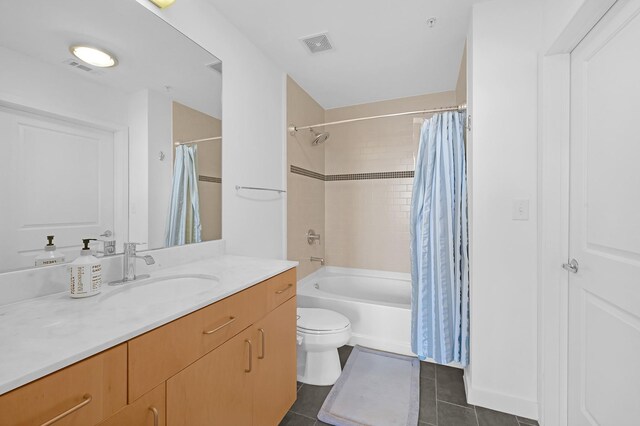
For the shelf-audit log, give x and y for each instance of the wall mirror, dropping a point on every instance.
(119, 144)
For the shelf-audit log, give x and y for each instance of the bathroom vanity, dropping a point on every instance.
(209, 342)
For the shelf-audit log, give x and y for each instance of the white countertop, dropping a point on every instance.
(42, 335)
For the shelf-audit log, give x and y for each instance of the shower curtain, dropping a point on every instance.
(439, 243)
(183, 223)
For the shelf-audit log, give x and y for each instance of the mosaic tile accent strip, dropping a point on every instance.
(352, 176)
(307, 173)
(203, 178)
(376, 175)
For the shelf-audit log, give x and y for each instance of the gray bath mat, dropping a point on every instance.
(375, 389)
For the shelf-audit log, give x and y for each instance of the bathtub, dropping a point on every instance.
(377, 303)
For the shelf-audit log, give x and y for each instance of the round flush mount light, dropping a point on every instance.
(94, 56)
(431, 22)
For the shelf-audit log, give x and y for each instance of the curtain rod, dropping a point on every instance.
(293, 129)
(217, 138)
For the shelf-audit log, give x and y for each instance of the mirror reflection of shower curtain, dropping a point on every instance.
(183, 223)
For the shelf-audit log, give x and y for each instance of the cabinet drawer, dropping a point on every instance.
(280, 289)
(89, 391)
(163, 352)
(149, 409)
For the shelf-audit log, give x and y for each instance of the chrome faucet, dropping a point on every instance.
(317, 259)
(129, 262)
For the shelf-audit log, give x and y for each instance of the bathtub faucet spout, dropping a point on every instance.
(317, 259)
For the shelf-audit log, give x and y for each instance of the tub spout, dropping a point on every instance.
(317, 259)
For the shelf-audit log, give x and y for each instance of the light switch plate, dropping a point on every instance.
(520, 210)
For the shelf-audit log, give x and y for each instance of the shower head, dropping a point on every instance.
(319, 138)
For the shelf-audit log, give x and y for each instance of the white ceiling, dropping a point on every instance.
(151, 53)
(383, 49)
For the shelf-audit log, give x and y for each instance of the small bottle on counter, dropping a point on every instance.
(50, 256)
(85, 273)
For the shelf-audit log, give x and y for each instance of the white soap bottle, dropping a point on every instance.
(85, 273)
(50, 256)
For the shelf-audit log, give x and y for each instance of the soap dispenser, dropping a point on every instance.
(50, 256)
(85, 273)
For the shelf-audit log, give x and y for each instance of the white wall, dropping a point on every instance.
(29, 82)
(150, 132)
(160, 172)
(253, 131)
(503, 73)
(557, 15)
(139, 168)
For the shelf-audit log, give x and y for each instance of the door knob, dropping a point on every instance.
(107, 233)
(572, 266)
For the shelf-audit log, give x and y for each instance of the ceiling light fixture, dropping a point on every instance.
(163, 3)
(94, 56)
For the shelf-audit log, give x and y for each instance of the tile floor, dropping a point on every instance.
(442, 401)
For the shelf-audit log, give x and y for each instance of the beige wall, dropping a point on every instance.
(305, 195)
(190, 124)
(367, 221)
(363, 223)
(461, 86)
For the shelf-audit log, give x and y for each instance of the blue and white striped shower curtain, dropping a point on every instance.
(439, 243)
(183, 222)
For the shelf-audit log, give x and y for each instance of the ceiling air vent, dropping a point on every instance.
(81, 66)
(317, 43)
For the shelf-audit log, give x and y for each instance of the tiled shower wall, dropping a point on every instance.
(343, 189)
(367, 221)
(305, 195)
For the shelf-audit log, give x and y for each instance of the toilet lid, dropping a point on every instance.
(314, 319)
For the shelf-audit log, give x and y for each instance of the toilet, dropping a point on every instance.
(320, 333)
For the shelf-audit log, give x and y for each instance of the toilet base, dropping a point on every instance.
(319, 368)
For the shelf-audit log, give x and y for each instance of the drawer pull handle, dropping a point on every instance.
(284, 289)
(231, 319)
(261, 355)
(248, 370)
(156, 415)
(86, 399)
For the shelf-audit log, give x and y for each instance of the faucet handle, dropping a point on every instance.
(133, 245)
(109, 247)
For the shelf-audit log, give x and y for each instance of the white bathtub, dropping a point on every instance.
(377, 303)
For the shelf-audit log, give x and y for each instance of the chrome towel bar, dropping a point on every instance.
(254, 188)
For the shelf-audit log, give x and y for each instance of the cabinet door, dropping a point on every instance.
(216, 389)
(148, 410)
(81, 394)
(275, 365)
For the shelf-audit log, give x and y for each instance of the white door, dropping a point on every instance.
(55, 178)
(604, 293)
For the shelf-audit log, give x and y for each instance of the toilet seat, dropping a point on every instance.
(321, 321)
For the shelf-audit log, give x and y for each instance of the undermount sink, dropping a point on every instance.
(163, 287)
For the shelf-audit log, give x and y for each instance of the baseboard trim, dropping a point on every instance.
(500, 402)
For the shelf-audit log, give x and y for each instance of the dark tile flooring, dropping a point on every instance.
(442, 401)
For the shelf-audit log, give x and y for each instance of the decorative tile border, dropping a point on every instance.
(307, 173)
(352, 176)
(203, 178)
(375, 175)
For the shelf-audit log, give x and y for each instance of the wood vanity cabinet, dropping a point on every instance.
(84, 393)
(216, 389)
(232, 363)
(150, 409)
(249, 380)
(274, 390)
